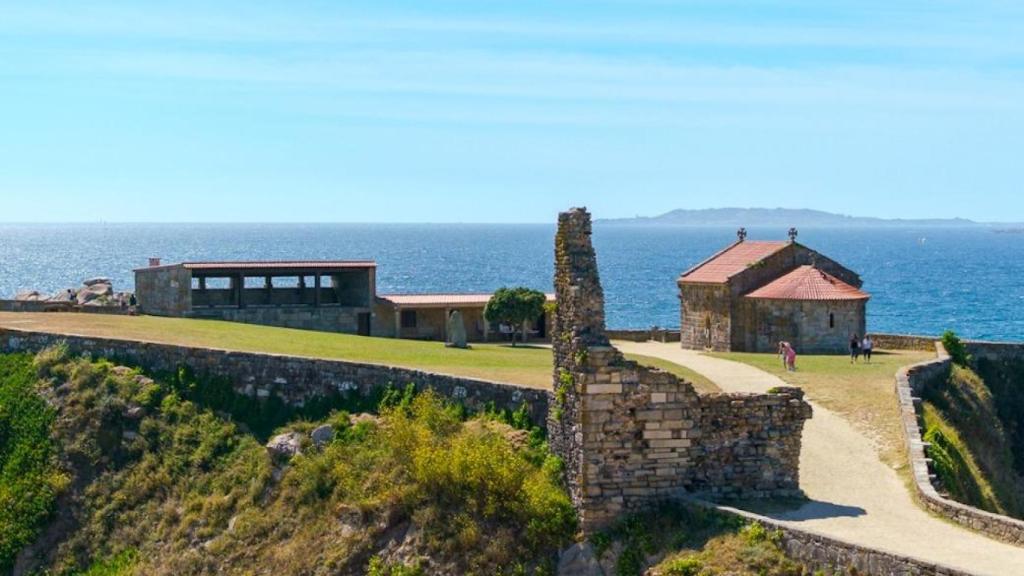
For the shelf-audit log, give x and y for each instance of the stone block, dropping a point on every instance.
(604, 389)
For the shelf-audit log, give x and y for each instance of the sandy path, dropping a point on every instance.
(854, 495)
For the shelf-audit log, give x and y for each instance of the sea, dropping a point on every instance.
(921, 280)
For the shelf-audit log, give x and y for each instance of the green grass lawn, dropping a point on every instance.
(863, 393)
(526, 365)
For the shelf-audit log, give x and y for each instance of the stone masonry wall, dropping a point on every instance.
(910, 382)
(705, 317)
(164, 290)
(322, 318)
(292, 379)
(803, 323)
(631, 435)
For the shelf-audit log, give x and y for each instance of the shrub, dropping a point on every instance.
(30, 479)
(955, 348)
(686, 566)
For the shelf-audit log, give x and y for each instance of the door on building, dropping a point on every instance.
(364, 324)
(707, 332)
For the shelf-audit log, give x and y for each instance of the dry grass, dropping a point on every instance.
(862, 393)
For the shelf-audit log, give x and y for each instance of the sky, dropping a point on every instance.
(483, 111)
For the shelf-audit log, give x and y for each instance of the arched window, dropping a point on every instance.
(831, 320)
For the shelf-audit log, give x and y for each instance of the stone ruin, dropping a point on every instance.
(630, 435)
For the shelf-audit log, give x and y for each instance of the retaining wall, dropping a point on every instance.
(656, 334)
(903, 342)
(293, 379)
(910, 382)
(832, 556)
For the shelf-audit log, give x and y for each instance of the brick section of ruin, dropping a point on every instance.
(631, 435)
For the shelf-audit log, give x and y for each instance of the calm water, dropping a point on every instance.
(922, 281)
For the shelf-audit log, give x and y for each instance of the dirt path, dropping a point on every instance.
(853, 495)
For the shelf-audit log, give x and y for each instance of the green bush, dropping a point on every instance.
(690, 565)
(955, 348)
(30, 479)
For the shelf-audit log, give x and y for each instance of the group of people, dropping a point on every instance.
(859, 347)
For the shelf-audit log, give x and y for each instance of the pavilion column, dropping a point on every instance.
(398, 321)
(487, 329)
(240, 290)
(444, 325)
(316, 290)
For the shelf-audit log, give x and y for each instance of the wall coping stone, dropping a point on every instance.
(909, 381)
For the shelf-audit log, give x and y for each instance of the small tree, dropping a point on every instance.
(955, 348)
(515, 307)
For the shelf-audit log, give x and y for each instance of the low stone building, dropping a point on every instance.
(752, 295)
(424, 317)
(334, 296)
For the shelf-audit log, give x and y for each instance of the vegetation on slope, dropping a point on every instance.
(30, 480)
(971, 448)
(163, 485)
(685, 540)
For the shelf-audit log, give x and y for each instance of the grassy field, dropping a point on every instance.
(861, 392)
(526, 365)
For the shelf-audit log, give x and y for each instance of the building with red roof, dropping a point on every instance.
(752, 295)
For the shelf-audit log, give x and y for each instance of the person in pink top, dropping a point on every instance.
(790, 358)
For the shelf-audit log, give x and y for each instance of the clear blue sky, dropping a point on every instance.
(484, 111)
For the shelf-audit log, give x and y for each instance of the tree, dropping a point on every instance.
(515, 307)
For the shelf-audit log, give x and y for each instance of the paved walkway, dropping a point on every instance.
(853, 495)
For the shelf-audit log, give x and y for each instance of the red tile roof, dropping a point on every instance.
(731, 261)
(808, 283)
(442, 299)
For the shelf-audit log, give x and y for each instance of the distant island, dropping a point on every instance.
(785, 217)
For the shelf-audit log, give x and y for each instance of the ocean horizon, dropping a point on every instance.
(922, 280)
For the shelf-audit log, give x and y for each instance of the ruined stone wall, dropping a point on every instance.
(631, 435)
(292, 379)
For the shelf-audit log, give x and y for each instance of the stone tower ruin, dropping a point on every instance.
(631, 435)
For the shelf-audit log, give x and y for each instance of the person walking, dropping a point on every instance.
(854, 348)
(866, 346)
(790, 355)
(782, 353)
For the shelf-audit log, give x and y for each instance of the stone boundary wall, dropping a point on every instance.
(293, 379)
(37, 306)
(910, 381)
(658, 335)
(903, 342)
(819, 552)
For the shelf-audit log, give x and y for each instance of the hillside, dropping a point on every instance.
(779, 217)
(973, 424)
(106, 471)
